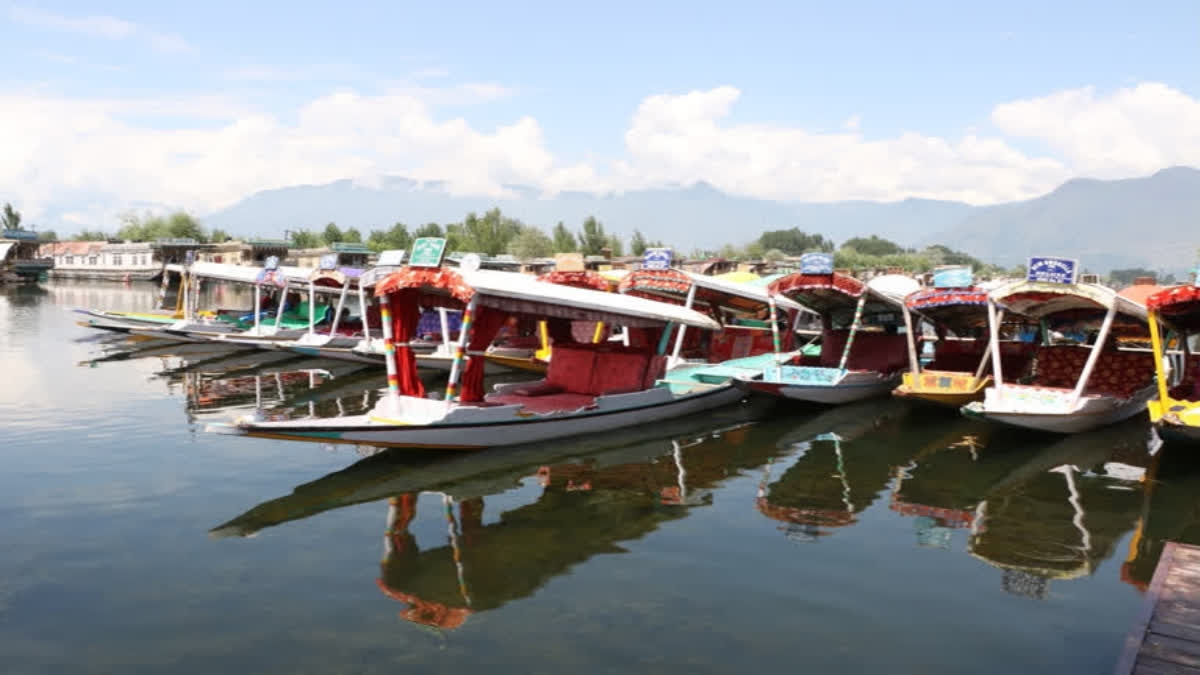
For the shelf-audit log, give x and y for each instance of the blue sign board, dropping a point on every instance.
(1053, 270)
(816, 263)
(657, 259)
(271, 263)
(953, 277)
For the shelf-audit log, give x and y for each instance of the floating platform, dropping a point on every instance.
(1166, 636)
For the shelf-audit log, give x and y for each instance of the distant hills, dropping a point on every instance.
(1149, 222)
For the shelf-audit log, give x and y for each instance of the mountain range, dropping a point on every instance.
(1136, 222)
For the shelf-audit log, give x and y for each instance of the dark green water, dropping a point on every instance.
(872, 537)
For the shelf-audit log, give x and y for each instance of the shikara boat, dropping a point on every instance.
(958, 372)
(751, 337)
(862, 353)
(588, 388)
(1075, 383)
(1175, 410)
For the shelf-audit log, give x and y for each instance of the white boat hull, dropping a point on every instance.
(1092, 412)
(854, 386)
(497, 432)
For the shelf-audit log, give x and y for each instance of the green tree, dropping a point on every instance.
(873, 246)
(774, 255)
(90, 235)
(592, 239)
(489, 234)
(218, 235)
(305, 239)
(331, 234)
(729, 252)
(148, 227)
(794, 241)
(531, 243)
(47, 235)
(395, 238)
(564, 241)
(637, 243)
(1127, 275)
(352, 236)
(11, 218)
(614, 244)
(429, 230)
(754, 250)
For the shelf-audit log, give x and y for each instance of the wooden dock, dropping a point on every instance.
(1166, 637)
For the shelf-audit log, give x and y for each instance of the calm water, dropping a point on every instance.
(875, 536)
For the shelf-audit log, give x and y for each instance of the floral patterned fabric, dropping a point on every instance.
(447, 280)
(583, 279)
(1116, 373)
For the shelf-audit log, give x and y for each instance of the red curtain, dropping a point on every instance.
(559, 330)
(405, 315)
(788, 335)
(484, 326)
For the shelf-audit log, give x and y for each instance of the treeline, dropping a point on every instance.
(493, 234)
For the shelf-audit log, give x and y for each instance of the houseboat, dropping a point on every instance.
(109, 261)
(1080, 377)
(956, 309)
(20, 259)
(863, 352)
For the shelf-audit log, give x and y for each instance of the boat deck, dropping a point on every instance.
(1166, 636)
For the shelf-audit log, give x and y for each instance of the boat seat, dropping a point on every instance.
(546, 403)
(1188, 388)
(1119, 373)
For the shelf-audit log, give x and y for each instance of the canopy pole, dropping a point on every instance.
(464, 333)
(337, 314)
(994, 344)
(282, 305)
(445, 322)
(599, 332)
(187, 295)
(389, 347)
(665, 339)
(362, 310)
(1094, 356)
(691, 297)
(914, 365)
(854, 326)
(1159, 354)
(983, 362)
(312, 307)
(775, 335)
(257, 307)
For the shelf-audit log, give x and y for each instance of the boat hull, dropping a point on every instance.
(475, 436)
(1093, 412)
(851, 387)
(945, 389)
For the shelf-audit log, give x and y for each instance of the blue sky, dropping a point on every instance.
(580, 72)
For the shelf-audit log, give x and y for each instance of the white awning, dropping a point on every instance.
(1042, 298)
(5, 247)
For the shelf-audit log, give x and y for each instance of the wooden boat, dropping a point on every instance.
(1175, 409)
(862, 351)
(1071, 387)
(958, 372)
(588, 388)
(749, 340)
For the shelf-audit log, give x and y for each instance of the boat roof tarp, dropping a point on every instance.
(823, 293)
(1039, 299)
(521, 293)
(673, 285)
(1178, 306)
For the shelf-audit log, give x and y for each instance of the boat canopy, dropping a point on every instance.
(824, 293)
(673, 286)
(1040, 299)
(577, 279)
(241, 274)
(1177, 306)
(523, 294)
(335, 277)
(960, 310)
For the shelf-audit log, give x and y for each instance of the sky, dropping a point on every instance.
(130, 105)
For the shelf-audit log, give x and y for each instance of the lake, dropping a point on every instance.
(872, 537)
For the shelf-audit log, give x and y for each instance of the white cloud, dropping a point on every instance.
(94, 157)
(1135, 130)
(108, 27)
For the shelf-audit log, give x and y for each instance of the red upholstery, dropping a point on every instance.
(1188, 388)
(544, 404)
(961, 356)
(1116, 373)
(571, 367)
(736, 342)
(832, 344)
(654, 370)
(615, 372)
(878, 352)
(541, 388)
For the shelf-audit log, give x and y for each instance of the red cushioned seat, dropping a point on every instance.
(618, 371)
(655, 369)
(571, 368)
(878, 352)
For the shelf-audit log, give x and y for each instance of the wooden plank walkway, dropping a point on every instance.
(1166, 637)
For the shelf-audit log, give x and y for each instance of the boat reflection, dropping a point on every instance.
(1038, 509)
(1170, 511)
